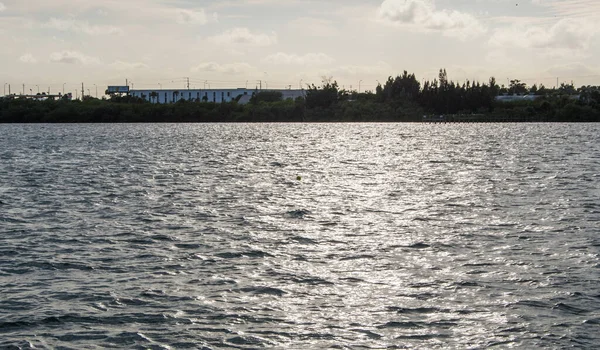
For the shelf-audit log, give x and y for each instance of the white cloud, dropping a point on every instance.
(423, 15)
(309, 58)
(186, 16)
(126, 66)
(65, 25)
(229, 68)
(243, 36)
(27, 58)
(566, 37)
(73, 57)
(2, 7)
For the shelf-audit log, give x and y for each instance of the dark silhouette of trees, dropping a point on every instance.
(154, 96)
(403, 87)
(401, 98)
(266, 96)
(323, 96)
(517, 87)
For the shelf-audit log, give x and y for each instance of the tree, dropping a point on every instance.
(266, 96)
(533, 90)
(494, 88)
(324, 96)
(516, 87)
(403, 87)
(567, 89)
(443, 77)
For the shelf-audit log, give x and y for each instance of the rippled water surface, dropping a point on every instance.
(394, 236)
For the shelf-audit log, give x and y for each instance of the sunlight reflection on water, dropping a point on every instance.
(407, 235)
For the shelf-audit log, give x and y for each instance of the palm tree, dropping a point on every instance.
(175, 93)
(153, 95)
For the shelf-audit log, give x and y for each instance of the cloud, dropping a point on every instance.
(186, 16)
(73, 57)
(314, 27)
(567, 35)
(230, 68)
(125, 66)
(65, 25)
(27, 58)
(309, 58)
(2, 7)
(423, 15)
(243, 36)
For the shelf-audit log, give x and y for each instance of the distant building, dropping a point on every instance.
(117, 90)
(511, 98)
(206, 95)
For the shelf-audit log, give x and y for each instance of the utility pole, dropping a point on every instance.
(23, 89)
(82, 92)
(188, 83)
(9, 89)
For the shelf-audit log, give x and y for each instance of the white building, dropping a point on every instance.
(512, 98)
(207, 95)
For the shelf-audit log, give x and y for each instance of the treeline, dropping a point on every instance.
(400, 99)
(133, 110)
(403, 98)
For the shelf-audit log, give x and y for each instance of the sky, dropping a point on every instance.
(291, 43)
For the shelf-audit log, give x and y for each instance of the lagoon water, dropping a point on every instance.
(166, 236)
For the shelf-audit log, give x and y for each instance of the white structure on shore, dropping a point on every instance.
(207, 95)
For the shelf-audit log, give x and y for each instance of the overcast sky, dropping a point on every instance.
(283, 42)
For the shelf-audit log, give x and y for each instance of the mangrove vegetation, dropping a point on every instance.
(400, 99)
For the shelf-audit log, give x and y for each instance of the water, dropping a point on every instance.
(396, 236)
